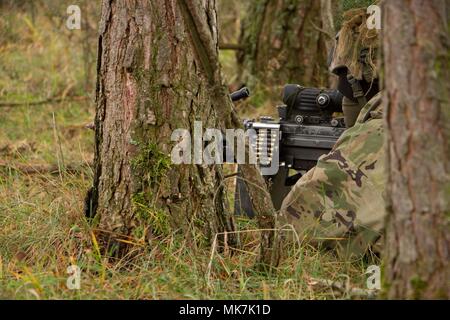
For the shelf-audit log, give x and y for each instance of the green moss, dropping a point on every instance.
(385, 284)
(151, 162)
(149, 215)
(419, 285)
(151, 165)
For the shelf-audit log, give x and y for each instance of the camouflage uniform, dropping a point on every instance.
(339, 203)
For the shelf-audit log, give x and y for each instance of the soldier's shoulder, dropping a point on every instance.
(372, 110)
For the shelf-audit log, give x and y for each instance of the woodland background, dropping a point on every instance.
(47, 87)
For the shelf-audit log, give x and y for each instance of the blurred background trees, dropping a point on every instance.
(276, 42)
(283, 42)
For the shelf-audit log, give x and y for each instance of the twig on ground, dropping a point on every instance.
(231, 46)
(43, 168)
(90, 126)
(41, 102)
(60, 155)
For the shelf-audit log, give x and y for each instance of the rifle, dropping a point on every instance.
(306, 130)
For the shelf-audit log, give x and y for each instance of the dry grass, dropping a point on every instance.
(42, 225)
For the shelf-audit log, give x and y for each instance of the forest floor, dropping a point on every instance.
(45, 170)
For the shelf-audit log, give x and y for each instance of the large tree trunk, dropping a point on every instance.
(417, 56)
(154, 76)
(158, 71)
(284, 43)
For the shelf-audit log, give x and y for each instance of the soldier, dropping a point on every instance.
(339, 203)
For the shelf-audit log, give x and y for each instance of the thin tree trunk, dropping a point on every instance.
(328, 12)
(416, 57)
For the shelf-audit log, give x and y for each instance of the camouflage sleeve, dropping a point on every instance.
(340, 202)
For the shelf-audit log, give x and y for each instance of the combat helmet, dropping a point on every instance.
(354, 60)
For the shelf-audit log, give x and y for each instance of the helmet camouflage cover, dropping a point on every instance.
(356, 46)
(339, 203)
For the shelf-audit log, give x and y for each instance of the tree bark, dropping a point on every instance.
(155, 77)
(416, 58)
(158, 70)
(284, 43)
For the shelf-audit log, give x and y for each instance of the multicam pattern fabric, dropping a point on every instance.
(339, 202)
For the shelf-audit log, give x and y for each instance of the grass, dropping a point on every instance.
(42, 225)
